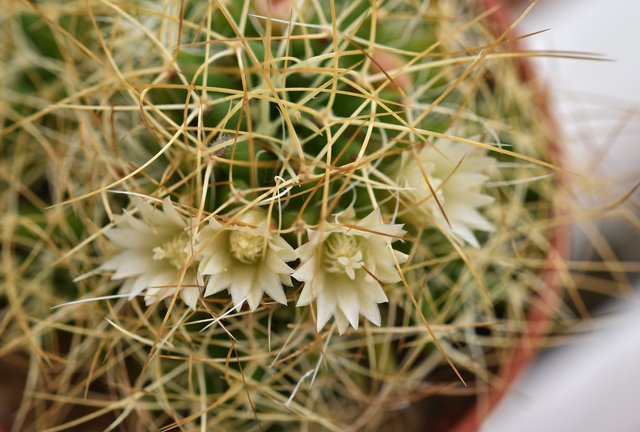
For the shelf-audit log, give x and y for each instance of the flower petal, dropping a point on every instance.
(326, 307)
(241, 282)
(465, 234)
(140, 284)
(276, 264)
(254, 296)
(270, 284)
(348, 302)
(341, 321)
(190, 296)
(130, 238)
(217, 283)
(216, 264)
(306, 271)
(285, 280)
(372, 219)
(370, 311)
(171, 212)
(284, 251)
(307, 294)
(135, 266)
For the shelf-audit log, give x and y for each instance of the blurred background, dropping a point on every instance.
(590, 383)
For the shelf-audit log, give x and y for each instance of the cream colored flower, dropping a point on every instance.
(245, 259)
(153, 254)
(456, 174)
(344, 267)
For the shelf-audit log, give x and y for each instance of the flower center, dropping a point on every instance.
(172, 251)
(245, 247)
(342, 254)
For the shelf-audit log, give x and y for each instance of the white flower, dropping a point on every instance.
(455, 173)
(245, 259)
(343, 268)
(153, 254)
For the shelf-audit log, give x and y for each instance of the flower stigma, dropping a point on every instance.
(172, 251)
(342, 254)
(245, 247)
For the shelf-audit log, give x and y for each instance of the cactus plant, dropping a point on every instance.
(269, 215)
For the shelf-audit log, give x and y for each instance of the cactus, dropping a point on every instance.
(294, 215)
